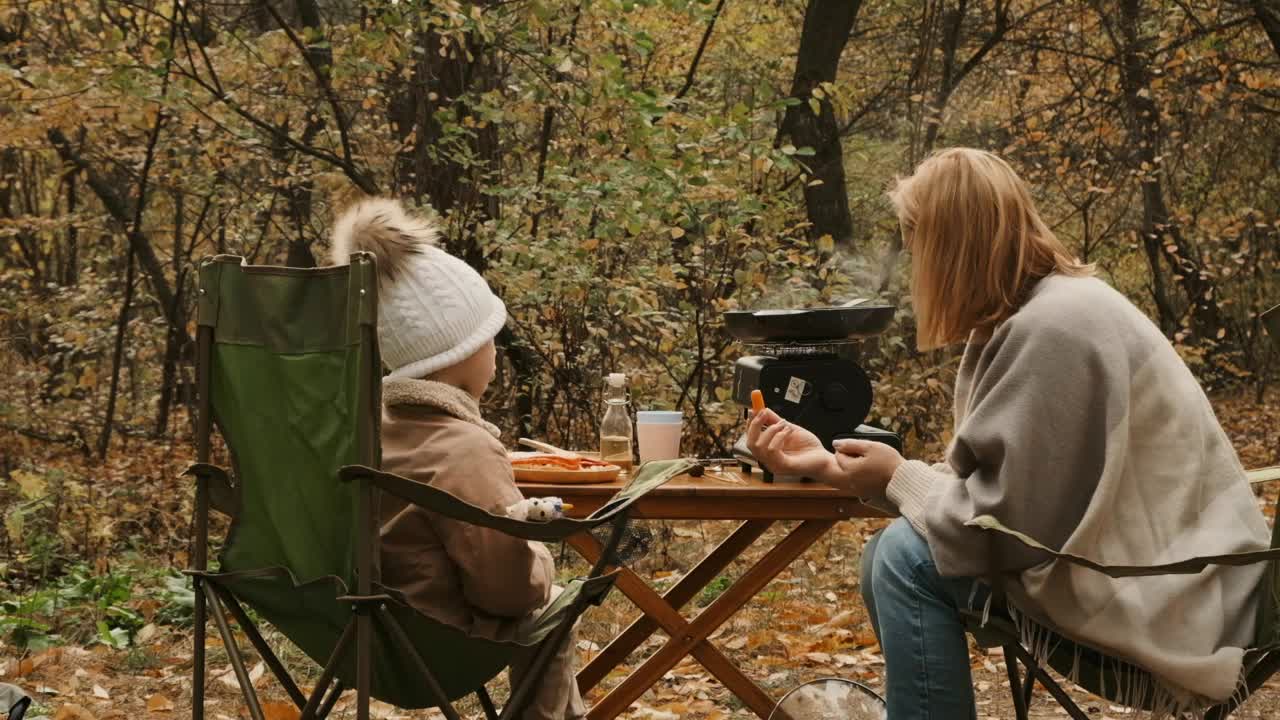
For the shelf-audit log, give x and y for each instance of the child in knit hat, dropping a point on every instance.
(436, 322)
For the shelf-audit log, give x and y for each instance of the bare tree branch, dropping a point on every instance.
(702, 46)
(313, 57)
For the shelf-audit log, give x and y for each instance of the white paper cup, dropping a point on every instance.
(658, 434)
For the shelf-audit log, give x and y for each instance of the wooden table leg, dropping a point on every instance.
(694, 634)
(685, 590)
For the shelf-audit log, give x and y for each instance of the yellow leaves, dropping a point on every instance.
(31, 484)
(677, 233)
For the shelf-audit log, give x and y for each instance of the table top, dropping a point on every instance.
(707, 498)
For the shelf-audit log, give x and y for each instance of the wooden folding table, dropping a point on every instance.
(759, 505)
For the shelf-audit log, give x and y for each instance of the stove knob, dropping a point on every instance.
(835, 396)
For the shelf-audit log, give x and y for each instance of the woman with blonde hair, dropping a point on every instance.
(1077, 423)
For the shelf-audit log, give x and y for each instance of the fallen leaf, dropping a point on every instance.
(652, 714)
(280, 711)
(159, 703)
(819, 657)
(101, 692)
(28, 666)
(842, 619)
(257, 673)
(71, 711)
(228, 677)
(147, 632)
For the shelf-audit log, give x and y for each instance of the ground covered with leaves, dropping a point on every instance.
(107, 634)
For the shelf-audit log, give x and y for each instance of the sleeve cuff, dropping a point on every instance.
(909, 489)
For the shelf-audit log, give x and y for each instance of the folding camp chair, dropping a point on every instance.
(288, 370)
(1107, 676)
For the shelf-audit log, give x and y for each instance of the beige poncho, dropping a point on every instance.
(1078, 424)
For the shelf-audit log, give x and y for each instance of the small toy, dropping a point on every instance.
(757, 401)
(542, 509)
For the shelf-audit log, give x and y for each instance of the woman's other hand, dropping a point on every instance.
(866, 466)
(788, 449)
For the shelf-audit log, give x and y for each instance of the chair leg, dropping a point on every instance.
(311, 711)
(486, 702)
(1029, 685)
(329, 701)
(406, 646)
(233, 653)
(197, 680)
(364, 663)
(1015, 686)
(1047, 681)
(260, 644)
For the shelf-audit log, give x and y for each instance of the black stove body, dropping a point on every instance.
(806, 369)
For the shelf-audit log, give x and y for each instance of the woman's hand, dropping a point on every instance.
(866, 466)
(788, 449)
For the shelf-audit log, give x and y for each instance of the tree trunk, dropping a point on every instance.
(173, 340)
(451, 173)
(1269, 19)
(827, 24)
(1161, 234)
(117, 356)
(951, 77)
(71, 268)
(429, 161)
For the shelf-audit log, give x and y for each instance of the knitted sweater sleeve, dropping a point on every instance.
(1029, 450)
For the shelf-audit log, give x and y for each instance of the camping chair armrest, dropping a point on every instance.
(1263, 475)
(1189, 566)
(650, 475)
(450, 506)
(222, 494)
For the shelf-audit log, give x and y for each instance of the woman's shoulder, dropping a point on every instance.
(1080, 310)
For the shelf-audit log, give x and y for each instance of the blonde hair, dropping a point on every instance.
(978, 244)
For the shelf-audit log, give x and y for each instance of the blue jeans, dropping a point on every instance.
(915, 614)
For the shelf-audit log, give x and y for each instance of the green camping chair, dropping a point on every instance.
(1104, 675)
(288, 370)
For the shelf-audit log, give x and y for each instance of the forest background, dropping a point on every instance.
(621, 171)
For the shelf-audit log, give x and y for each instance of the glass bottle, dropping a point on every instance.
(616, 433)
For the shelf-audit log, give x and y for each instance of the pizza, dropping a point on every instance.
(558, 462)
(558, 468)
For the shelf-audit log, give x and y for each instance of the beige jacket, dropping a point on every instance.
(1078, 424)
(476, 579)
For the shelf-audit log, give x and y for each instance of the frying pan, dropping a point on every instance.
(810, 324)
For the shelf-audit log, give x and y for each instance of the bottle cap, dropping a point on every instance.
(616, 379)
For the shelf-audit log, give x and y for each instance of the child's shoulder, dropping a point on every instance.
(430, 433)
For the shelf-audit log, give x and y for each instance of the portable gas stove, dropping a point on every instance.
(805, 364)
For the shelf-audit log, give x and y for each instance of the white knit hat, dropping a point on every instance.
(434, 310)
